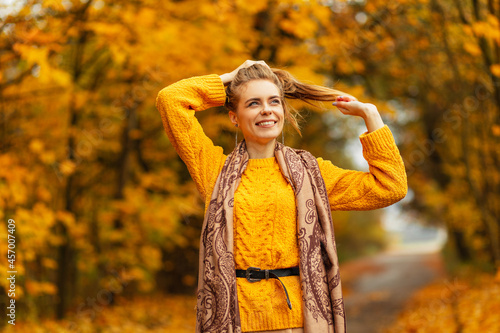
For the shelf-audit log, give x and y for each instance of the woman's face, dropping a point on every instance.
(260, 113)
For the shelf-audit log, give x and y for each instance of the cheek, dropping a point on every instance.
(283, 113)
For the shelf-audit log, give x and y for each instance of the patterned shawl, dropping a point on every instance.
(217, 300)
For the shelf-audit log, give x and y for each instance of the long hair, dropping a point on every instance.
(288, 86)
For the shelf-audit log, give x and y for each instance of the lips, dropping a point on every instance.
(266, 123)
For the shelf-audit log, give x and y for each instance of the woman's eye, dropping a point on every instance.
(276, 101)
(252, 103)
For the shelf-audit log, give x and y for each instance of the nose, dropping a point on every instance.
(266, 109)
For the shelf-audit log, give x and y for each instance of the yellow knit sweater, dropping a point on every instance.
(265, 233)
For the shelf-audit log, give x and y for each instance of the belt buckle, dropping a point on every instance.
(247, 274)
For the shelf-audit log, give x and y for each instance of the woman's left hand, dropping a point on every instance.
(350, 106)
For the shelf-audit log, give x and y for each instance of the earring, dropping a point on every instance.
(236, 137)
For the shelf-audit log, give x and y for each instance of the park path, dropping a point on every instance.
(378, 287)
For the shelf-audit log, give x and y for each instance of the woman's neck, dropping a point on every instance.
(261, 151)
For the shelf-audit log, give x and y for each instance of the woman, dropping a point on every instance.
(268, 260)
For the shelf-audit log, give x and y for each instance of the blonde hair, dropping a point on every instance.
(288, 86)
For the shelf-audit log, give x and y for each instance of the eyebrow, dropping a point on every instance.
(258, 99)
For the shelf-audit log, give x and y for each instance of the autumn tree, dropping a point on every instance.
(437, 63)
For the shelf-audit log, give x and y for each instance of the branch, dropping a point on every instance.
(461, 13)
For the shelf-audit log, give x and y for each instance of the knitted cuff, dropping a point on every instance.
(215, 92)
(378, 140)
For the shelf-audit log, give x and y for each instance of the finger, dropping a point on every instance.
(246, 64)
(341, 104)
(249, 63)
(262, 62)
(345, 98)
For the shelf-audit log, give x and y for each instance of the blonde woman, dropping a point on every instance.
(268, 260)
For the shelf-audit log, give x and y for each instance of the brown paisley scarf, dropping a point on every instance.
(217, 304)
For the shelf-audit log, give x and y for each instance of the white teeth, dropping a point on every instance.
(265, 123)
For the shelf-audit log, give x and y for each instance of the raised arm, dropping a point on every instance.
(385, 183)
(177, 104)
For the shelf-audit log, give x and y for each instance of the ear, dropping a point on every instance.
(233, 117)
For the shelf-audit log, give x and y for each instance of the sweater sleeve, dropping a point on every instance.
(177, 104)
(383, 185)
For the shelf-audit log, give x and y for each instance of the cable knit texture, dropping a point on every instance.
(265, 237)
(265, 232)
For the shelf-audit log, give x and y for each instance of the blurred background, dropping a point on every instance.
(107, 219)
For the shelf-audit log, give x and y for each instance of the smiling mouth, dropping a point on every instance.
(267, 123)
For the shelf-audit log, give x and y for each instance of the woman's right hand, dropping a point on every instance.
(228, 77)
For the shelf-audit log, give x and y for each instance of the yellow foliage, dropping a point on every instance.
(36, 146)
(20, 292)
(49, 263)
(493, 21)
(152, 314)
(448, 306)
(496, 130)
(151, 257)
(33, 226)
(296, 25)
(48, 157)
(53, 4)
(32, 55)
(495, 69)
(118, 55)
(35, 288)
(473, 49)
(43, 194)
(252, 7)
(488, 29)
(18, 192)
(66, 217)
(67, 167)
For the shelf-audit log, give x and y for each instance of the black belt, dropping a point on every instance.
(254, 274)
